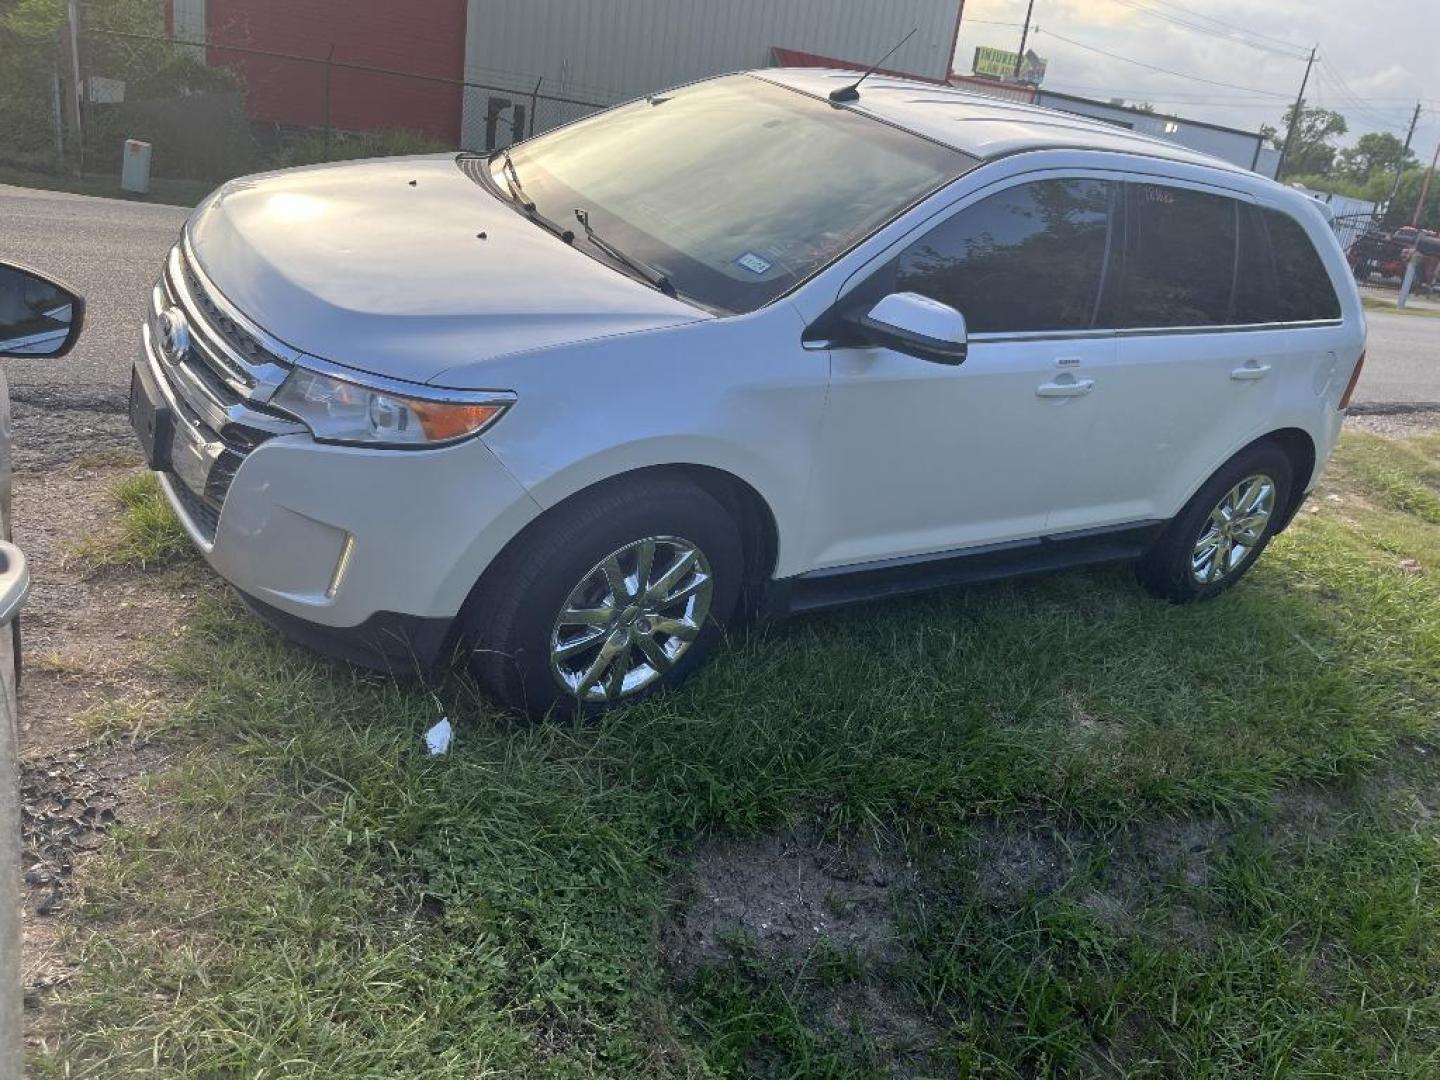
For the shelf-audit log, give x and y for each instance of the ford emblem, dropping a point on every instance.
(174, 335)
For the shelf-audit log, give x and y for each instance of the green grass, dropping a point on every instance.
(1404, 477)
(167, 192)
(149, 535)
(1421, 308)
(1235, 797)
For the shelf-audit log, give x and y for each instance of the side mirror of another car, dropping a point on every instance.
(910, 323)
(38, 317)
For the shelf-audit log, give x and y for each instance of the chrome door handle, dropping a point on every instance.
(1250, 372)
(1065, 389)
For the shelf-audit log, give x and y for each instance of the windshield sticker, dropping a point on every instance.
(752, 262)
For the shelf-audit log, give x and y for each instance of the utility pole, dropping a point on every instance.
(1415, 224)
(1295, 117)
(73, 85)
(1400, 165)
(325, 105)
(1024, 34)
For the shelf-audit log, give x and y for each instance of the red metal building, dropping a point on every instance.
(414, 41)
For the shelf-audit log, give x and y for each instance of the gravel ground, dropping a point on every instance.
(1395, 421)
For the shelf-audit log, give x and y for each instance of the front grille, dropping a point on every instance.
(222, 326)
(214, 385)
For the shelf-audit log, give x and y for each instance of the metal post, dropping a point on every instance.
(328, 58)
(1409, 280)
(1294, 118)
(57, 118)
(534, 97)
(11, 1018)
(1024, 34)
(70, 49)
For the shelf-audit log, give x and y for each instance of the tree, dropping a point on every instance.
(1311, 151)
(30, 56)
(1378, 151)
(1403, 208)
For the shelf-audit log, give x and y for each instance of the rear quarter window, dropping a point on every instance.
(1303, 291)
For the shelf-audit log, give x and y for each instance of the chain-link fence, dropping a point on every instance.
(212, 110)
(1378, 253)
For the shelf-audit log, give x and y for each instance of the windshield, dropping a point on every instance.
(734, 189)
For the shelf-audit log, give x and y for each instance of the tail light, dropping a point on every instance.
(1350, 386)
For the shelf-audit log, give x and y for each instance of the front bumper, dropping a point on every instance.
(363, 554)
(387, 641)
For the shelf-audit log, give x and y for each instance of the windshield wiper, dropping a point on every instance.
(527, 204)
(654, 275)
(512, 182)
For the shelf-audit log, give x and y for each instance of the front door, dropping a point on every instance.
(920, 458)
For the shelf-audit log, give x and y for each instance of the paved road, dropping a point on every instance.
(1402, 359)
(112, 250)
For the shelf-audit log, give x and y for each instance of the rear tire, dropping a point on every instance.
(650, 540)
(1216, 538)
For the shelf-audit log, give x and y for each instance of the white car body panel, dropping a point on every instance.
(860, 454)
(739, 395)
(352, 264)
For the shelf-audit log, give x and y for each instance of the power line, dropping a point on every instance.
(1331, 75)
(1232, 36)
(1189, 12)
(1165, 71)
(1348, 103)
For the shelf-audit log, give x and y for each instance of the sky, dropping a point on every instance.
(1376, 57)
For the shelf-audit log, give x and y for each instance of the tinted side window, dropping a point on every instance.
(1256, 300)
(1303, 285)
(1027, 258)
(1178, 266)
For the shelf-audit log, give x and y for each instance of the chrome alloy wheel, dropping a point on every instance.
(1233, 529)
(631, 618)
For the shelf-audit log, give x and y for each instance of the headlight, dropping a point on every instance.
(347, 412)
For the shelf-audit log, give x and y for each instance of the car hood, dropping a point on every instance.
(407, 268)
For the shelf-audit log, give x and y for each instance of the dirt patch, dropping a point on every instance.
(83, 627)
(69, 801)
(783, 895)
(1014, 862)
(91, 639)
(51, 421)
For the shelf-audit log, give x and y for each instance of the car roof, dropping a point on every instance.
(983, 126)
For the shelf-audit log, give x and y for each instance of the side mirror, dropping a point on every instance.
(37, 316)
(910, 323)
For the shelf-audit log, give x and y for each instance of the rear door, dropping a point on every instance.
(1200, 356)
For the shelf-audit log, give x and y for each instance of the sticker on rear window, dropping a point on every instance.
(752, 262)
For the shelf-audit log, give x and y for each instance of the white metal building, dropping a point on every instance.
(1244, 148)
(1248, 149)
(605, 51)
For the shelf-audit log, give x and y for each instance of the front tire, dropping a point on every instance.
(613, 597)
(1222, 530)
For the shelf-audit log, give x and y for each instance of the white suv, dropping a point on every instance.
(738, 347)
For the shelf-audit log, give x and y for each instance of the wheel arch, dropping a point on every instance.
(759, 531)
(1297, 444)
(1299, 447)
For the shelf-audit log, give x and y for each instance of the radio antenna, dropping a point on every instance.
(852, 91)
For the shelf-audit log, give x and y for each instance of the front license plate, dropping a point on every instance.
(152, 422)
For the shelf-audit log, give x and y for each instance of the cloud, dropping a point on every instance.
(1373, 78)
